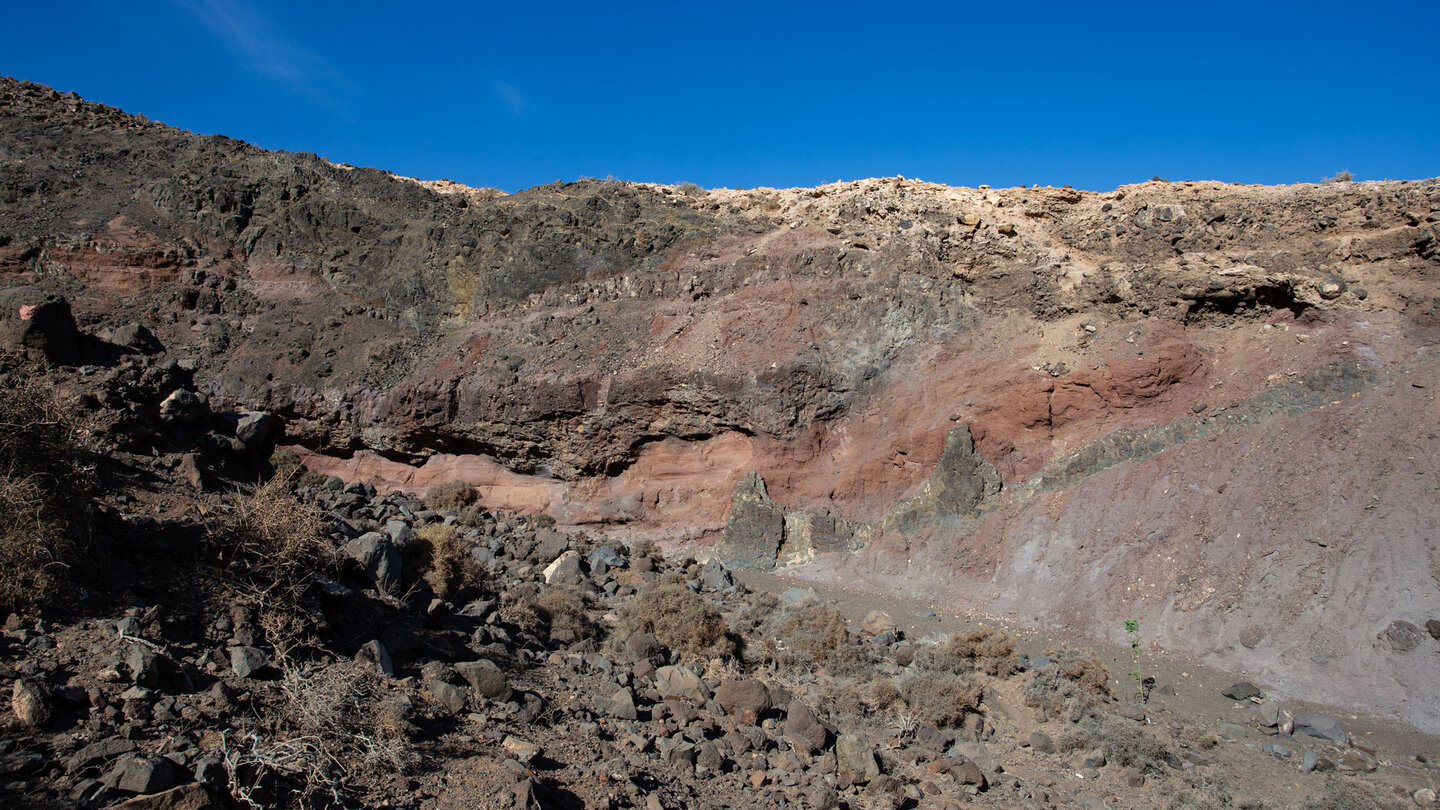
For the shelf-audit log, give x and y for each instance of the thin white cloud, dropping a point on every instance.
(510, 94)
(267, 51)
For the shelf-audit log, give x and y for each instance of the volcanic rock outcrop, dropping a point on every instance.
(1204, 405)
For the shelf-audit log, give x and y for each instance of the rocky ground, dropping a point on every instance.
(241, 631)
(295, 453)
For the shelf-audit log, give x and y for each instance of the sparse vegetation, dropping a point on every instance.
(942, 700)
(443, 557)
(1070, 687)
(681, 620)
(331, 724)
(44, 495)
(451, 496)
(991, 651)
(1122, 742)
(278, 543)
(1342, 176)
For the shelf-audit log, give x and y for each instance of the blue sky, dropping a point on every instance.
(771, 94)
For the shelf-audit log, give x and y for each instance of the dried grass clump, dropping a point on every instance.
(1340, 793)
(566, 614)
(327, 726)
(1122, 742)
(682, 620)
(1071, 687)
(273, 541)
(814, 636)
(853, 696)
(560, 614)
(445, 560)
(44, 495)
(990, 651)
(451, 496)
(941, 700)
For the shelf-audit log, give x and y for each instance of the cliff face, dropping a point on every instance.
(1207, 406)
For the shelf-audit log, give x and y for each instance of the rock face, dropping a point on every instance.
(1014, 398)
(756, 526)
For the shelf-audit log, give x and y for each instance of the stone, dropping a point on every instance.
(708, 756)
(98, 751)
(1134, 777)
(549, 545)
(681, 682)
(1356, 760)
(246, 661)
(967, 773)
(1041, 743)
(855, 759)
(256, 429)
(485, 677)
(446, 694)
(1424, 797)
(1251, 637)
(1308, 762)
(746, 699)
(1432, 626)
(714, 576)
(878, 622)
(925, 613)
(30, 702)
(797, 598)
(45, 332)
(621, 704)
(376, 554)
(645, 647)
(522, 750)
(603, 558)
(1094, 759)
(184, 797)
(903, 653)
(1244, 690)
(374, 653)
(976, 753)
(136, 337)
(1319, 725)
(821, 797)
(803, 729)
(1402, 636)
(755, 528)
(144, 665)
(184, 407)
(1267, 715)
(142, 774)
(565, 570)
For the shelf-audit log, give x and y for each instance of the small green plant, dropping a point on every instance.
(1132, 629)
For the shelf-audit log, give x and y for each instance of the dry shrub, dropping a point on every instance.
(1340, 793)
(557, 613)
(853, 696)
(566, 614)
(445, 560)
(645, 548)
(1071, 687)
(942, 699)
(682, 620)
(1122, 741)
(272, 540)
(813, 636)
(326, 726)
(451, 496)
(990, 651)
(44, 495)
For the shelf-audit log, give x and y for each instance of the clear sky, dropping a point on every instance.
(744, 94)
